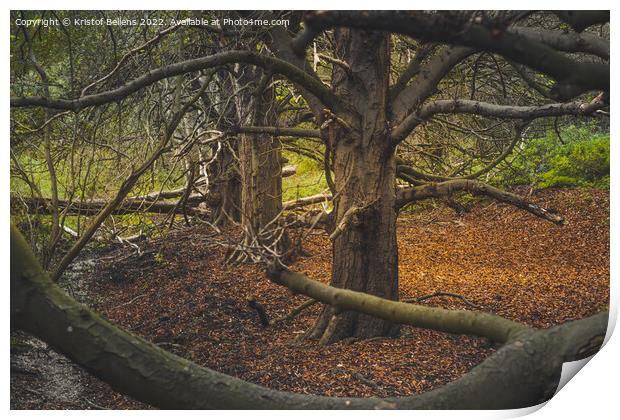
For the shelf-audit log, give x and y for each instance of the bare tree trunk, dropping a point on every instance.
(224, 195)
(261, 180)
(222, 169)
(259, 155)
(365, 255)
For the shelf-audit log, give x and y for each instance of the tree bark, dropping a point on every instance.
(365, 254)
(224, 194)
(259, 154)
(222, 169)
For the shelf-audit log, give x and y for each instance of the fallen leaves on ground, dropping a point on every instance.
(182, 297)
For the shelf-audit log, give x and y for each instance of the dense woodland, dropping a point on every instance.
(326, 210)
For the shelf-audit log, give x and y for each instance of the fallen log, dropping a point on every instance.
(93, 206)
(523, 373)
(446, 189)
(289, 170)
(306, 201)
(482, 324)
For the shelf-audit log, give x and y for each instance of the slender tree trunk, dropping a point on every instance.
(260, 156)
(261, 180)
(224, 195)
(365, 254)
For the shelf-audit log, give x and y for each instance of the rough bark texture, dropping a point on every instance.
(224, 195)
(364, 242)
(523, 373)
(260, 155)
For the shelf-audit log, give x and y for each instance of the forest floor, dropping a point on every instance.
(180, 295)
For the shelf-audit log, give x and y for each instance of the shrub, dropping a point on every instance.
(581, 161)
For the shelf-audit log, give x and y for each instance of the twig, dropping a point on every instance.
(343, 64)
(130, 302)
(347, 219)
(440, 293)
(365, 380)
(260, 310)
(97, 406)
(295, 311)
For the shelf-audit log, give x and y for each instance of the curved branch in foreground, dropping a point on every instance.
(523, 373)
(494, 327)
(290, 71)
(474, 187)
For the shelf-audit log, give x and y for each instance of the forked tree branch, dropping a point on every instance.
(474, 187)
(425, 83)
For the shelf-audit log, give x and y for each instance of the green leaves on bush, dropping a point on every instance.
(582, 160)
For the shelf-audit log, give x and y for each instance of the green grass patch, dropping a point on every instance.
(308, 180)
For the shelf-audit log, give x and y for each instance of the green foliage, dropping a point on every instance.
(309, 178)
(581, 160)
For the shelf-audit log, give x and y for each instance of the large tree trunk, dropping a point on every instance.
(261, 180)
(365, 255)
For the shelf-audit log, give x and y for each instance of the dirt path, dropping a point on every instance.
(179, 296)
(42, 378)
